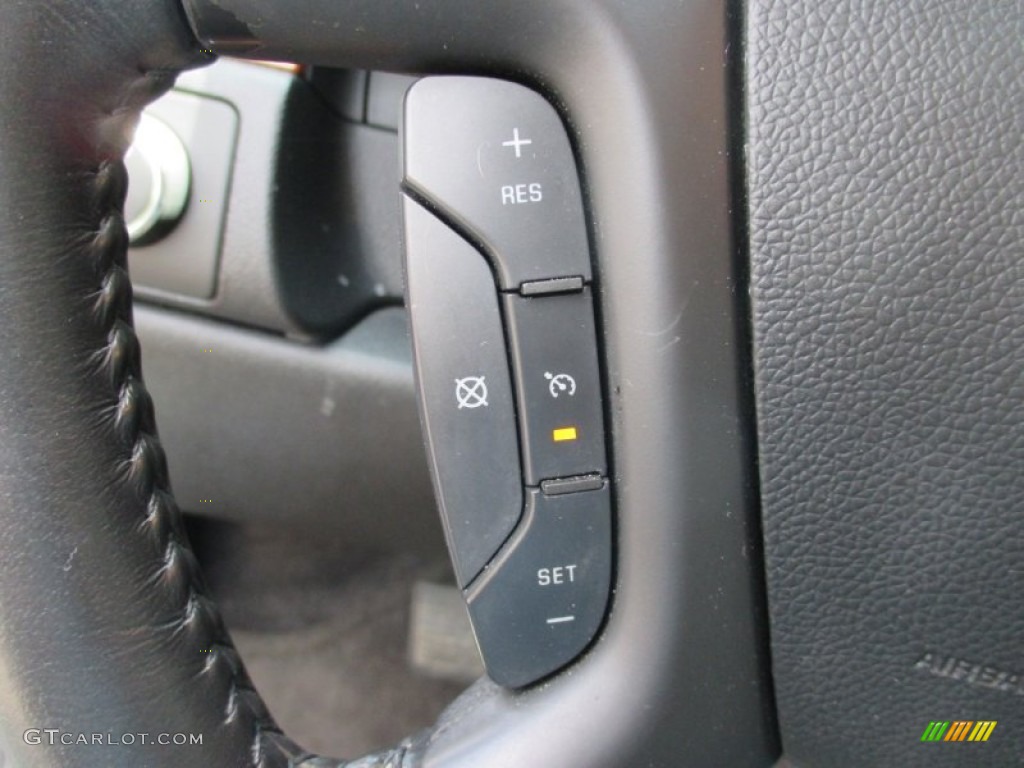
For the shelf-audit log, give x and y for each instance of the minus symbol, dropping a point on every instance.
(561, 619)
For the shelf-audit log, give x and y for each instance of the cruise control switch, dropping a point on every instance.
(499, 290)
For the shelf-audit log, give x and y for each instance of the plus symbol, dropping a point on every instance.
(516, 143)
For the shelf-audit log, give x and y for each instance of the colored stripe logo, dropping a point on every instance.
(958, 730)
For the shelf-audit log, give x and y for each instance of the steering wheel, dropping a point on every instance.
(853, 171)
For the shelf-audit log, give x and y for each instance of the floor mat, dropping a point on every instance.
(324, 634)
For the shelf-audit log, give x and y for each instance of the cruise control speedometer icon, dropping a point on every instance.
(560, 383)
(471, 392)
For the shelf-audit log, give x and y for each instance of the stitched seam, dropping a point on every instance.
(133, 420)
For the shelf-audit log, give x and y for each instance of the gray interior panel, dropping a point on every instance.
(310, 240)
(261, 428)
(185, 262)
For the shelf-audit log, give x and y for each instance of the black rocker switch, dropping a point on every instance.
(545, 597)
(494, 155)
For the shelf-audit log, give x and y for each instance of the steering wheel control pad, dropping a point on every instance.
(536, 583)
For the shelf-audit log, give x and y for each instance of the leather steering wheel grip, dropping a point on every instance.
(107, 626)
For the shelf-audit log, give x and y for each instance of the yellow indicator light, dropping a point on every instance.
(562, 434)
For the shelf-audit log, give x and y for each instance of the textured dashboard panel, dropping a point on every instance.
(886, 191)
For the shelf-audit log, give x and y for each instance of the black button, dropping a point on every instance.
(554, 353)
(495, 156)
(465, 394)
(541, 603)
